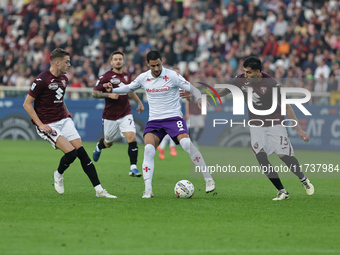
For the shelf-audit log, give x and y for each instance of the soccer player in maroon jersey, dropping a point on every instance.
(51, 118)
(117, 117)
(270, 136)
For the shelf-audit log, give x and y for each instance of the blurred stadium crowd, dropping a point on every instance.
(294, 39)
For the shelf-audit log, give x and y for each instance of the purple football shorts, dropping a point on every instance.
(173, 126)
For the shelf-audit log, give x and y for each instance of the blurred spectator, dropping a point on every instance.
(271, 47)
(333, 83)
(259, 27)
(322, 71)
(280, 26)
(144, 46)
(309, 63)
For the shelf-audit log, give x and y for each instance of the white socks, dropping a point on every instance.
(98, 188)
(164, 142)
(148, 165)
(172, 143)
(195, 156)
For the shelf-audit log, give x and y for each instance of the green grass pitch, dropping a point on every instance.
(240, 219)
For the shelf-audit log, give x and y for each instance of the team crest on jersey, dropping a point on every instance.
(63, 82)
(126, 78)
(263, 90)
(53, 86)
(256, 146)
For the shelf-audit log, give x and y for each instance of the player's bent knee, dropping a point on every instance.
(71, 156)
(262, 158)
(149, 151)
(289, 160)
(185, 143)
(108, 145)
(81, 153)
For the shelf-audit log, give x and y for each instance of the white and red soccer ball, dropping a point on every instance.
(184, 189)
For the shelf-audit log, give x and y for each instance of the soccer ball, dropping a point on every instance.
(184, 189)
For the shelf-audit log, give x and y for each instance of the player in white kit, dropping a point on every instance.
(165, 116)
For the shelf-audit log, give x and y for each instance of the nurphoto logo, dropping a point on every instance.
(238, 102)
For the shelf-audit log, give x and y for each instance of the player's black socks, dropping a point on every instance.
(101, 144)
(88, 166)
(66, 160)
(294, 166)
(133, 153)
(268, 169)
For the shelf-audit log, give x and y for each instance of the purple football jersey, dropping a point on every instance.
(263, 96)
(48, 92)
(114, 108)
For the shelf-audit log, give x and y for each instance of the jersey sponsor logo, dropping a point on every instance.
(59, 93)
(53, 86)
(154, 90)
(33, 86)
(115, 81)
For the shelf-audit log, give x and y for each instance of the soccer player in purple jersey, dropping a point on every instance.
(165, 116)
(51, 118)
(269, 136)
(117, 115)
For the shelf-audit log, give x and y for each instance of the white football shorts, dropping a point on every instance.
(271, 139)
(64, 127)
(113, 129)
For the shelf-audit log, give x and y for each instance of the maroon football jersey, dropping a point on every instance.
(262, 98)
(48, 92)
(114, 108)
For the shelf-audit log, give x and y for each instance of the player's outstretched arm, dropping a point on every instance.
(100, 94)
(32, 113)
(122, 90)
(304, 136)
(134, 96)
